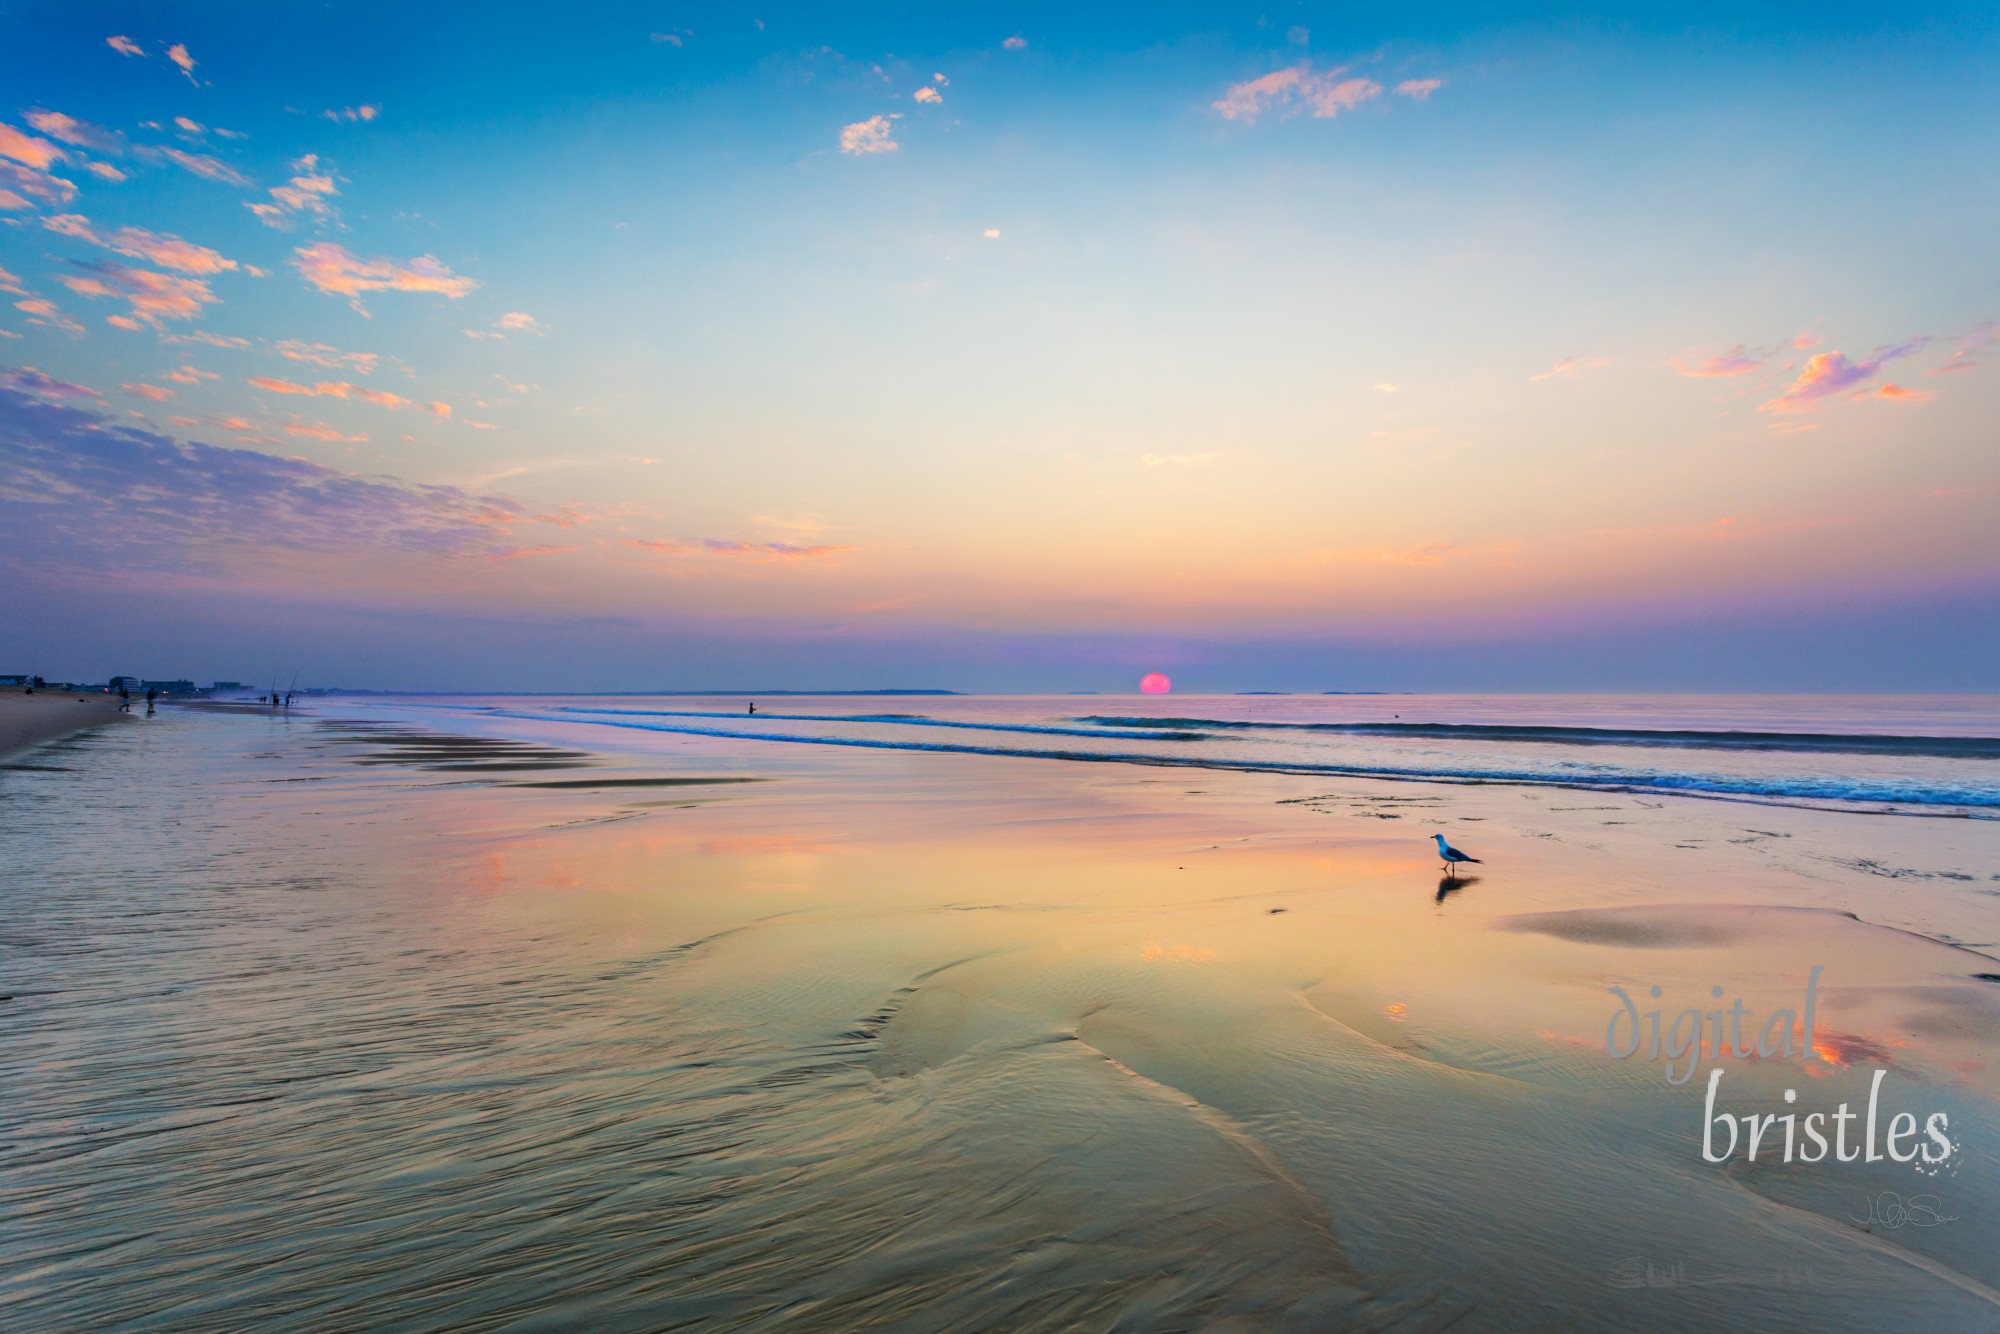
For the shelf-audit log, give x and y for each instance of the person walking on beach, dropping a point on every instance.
(124, 700)
(753, 708)
(152, 693)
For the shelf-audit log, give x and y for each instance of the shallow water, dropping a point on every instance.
(484, 1013)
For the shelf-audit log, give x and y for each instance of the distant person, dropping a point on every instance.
(152, 693)
(124, 700)
(753, 708)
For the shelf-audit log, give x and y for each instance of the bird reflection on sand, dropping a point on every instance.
(1449, 885)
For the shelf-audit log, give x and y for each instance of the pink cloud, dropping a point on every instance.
(1828, 373)
(317, 432)
(1806, 341)
(1895, 393)
(25, 148)
(1419, 89)
(1734, 362)
(1963, 347)
(153, 296)
(125, 46)
(306, 193)
(201, 164)
(41, 310)
(332, 268)
(865, 137)
(34, 185)
(1570, 367)
(178, 53)
(520, 322)
(331, 389)
(719, 546)
(1321, 95)
(148, 391)
(76, 133)
(169, 252)
(363, 114)
(770, 550)
(928, 94)
(322, 354)
(28, 380)
(209, 339)
(517, 553)
(104, 171)
(1015, 43)
(10, 282)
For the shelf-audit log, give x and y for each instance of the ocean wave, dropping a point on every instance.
(1851, 793)
(1933, 747)
(902, 720)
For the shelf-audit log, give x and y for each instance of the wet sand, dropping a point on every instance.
(424, 1033)
(29, 720)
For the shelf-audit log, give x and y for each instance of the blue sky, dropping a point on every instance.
(1032, 346)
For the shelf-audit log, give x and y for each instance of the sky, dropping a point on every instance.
(1020, 348)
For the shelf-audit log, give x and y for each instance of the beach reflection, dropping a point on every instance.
(943, 1040)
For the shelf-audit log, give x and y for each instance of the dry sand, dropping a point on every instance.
(29, 720)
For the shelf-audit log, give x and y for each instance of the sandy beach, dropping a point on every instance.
(466, 1017)
(29, 720)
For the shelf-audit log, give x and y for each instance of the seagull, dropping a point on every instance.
(1452, 856)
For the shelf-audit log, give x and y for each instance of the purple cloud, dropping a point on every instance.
(77, 486)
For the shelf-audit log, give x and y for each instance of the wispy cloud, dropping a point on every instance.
(10, 282)
(518, 553)
(1321, 95)
(28, 380)
(1015, 43)
(154, 392)
(209, 339)
(76, 133)
(362, 114)
(519, 321)
(200, 164)
(323, 354)
(1826, 374)
(1419, 89)
(27, 149)
(153, 296)
(928, 94)
(1961, 358)
(865, 137)
(344, 389)
(731, 547)
(321, 431)
(1570, 367)
(178, 53)
(306, 193)
(41, 310)
(125, 46)
(169, 252)
(1895, 393)
(1734, 362)
(75, 482)
(22, 187)
(333, 268)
